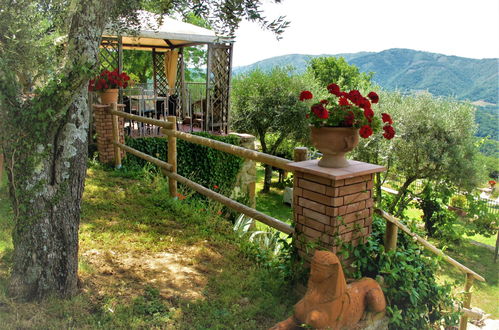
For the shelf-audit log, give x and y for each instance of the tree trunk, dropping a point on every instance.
(47, 209)
(267, 179)
(45, 146)
(400, 197)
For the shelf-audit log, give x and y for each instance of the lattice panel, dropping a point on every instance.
(219, 80)
(179, 82)
(160, 79)
(109, 57)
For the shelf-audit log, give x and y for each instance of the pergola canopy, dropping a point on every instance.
(169, 35)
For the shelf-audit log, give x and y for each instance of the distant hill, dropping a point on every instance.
(406, 69)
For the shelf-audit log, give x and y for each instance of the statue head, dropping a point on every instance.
(326, 273)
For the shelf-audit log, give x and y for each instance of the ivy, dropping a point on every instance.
(216, 170)
(415, 300)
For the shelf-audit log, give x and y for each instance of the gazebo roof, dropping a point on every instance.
(169, 35)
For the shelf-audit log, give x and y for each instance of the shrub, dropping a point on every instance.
(414, 299)
(211, 168)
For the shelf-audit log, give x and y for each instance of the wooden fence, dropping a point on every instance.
(169, 168)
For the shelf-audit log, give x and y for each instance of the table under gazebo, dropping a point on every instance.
(198, 105)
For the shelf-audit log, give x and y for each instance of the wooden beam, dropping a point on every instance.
(466, 301)
(116, 137)
(172, 157)
(428, 245)
(160, 123)
(144, 156)
(232, 149)
(246, 210)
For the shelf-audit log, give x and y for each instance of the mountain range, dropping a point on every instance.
(470, 79)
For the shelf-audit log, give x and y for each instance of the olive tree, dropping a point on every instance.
(327, 70)
(48, 53)
(434, 142)
(268, 102)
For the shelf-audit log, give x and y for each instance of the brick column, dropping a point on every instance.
(332, 205)
(103, 122)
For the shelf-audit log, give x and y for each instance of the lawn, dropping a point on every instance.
(151, 262)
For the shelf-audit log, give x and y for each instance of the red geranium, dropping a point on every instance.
(386, 118)
(109, 80)
(334, 89)
(373, 96)
(305, 95)
(343, 101)
(365, 131)
(349, 109)
(389, 132)
(492, 183)
(319, 110)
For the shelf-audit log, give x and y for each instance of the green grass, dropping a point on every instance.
(271, 203)
(151, 262)
(476, 258)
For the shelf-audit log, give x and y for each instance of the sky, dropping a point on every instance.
(467, 28)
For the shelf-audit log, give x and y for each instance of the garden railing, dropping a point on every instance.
(170, 169)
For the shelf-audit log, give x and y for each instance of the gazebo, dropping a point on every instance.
(166, 42)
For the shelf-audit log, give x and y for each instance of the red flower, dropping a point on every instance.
(365, 131)
(492, 183)
(307, 116)
(349, 119)
(355, 96)
(324, 102)
(386, 118)
(343, 101)
(334, 89)
(389, 132)
(319, 110)
(215, 187)
(364, 103)
(373, 96)
(305, 95)
(369, 114)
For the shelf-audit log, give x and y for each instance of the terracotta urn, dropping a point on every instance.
(334, 143)
(109, 96)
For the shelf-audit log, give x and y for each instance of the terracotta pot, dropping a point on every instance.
(334, 143)
(109, 96)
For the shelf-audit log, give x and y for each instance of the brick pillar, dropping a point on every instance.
(332, 205)
(103, 122)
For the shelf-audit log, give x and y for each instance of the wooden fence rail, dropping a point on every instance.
(169, 168)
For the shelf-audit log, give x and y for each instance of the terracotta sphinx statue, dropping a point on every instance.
(331, 303)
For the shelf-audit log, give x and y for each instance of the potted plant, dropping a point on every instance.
(108, 84)
(338, 120)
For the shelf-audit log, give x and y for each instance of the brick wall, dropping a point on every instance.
(104, 130)
(332, 206)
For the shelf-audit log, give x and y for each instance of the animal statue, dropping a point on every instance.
(331, 303)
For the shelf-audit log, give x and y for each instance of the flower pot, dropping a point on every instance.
(109, 96)
(334, 143)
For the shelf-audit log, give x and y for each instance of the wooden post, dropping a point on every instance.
(300, 154)
(1, 167)
(466, 301)
(172, 157)
(497, 246)
(391, 236)
(116, 138)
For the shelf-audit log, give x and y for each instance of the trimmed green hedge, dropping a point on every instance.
(206, 166)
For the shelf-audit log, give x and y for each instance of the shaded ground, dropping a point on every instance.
(150, 262)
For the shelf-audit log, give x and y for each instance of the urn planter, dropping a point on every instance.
(334, 143)
(109, 96)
